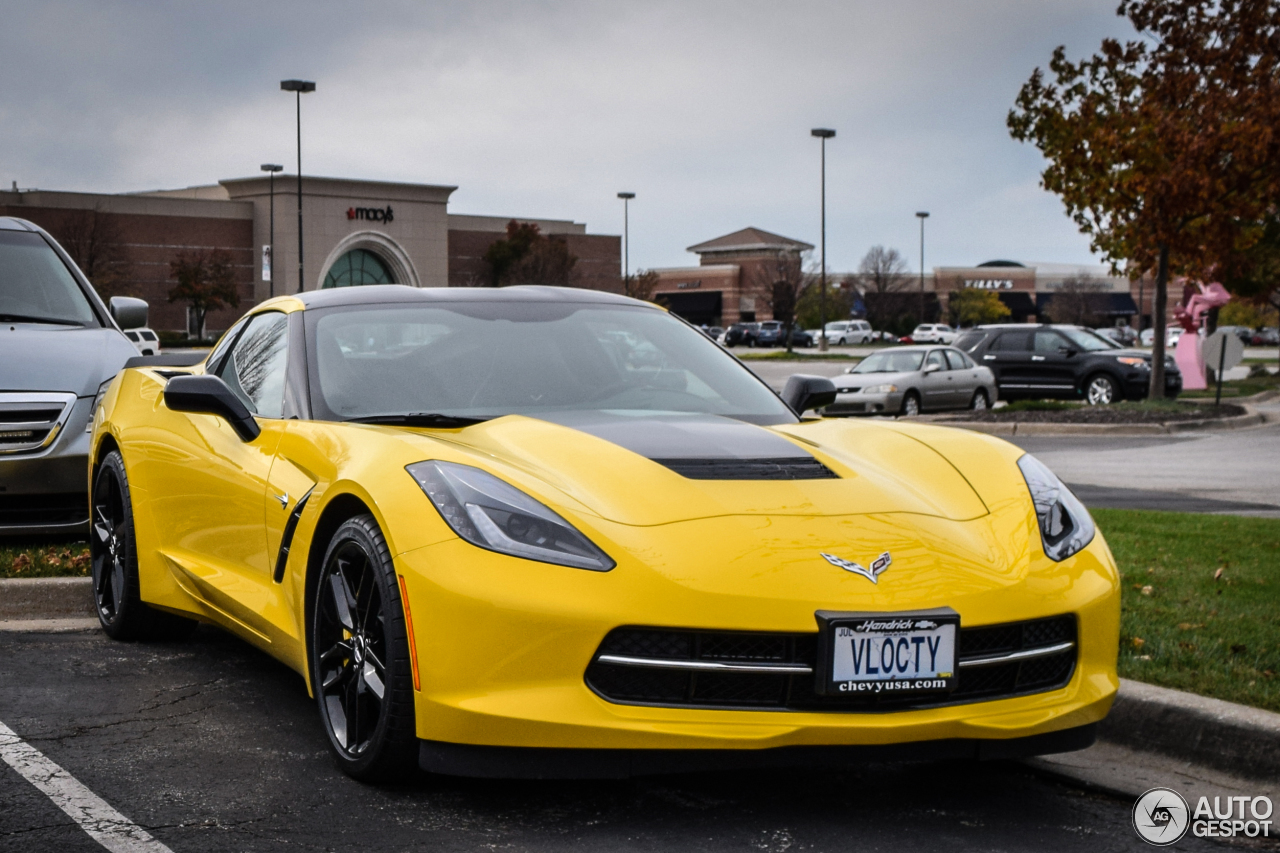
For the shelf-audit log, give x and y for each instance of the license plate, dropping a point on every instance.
(895, 654)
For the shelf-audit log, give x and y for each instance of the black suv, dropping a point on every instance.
(741, 333)
(1065, 362)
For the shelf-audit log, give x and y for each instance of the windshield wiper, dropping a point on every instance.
(422, 419)
(26, 318)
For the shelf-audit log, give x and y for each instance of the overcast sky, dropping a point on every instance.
(547, 109)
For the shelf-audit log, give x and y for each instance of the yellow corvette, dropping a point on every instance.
(548, 532)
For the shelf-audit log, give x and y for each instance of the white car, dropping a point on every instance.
(1171, 335)
(847, 332)
(144, 340)
(933, 333)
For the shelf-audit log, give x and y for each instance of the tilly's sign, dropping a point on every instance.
(372, 214)
(989, 283)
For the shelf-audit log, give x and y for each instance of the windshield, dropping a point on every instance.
(36, 286)
(488, 359)
(889, 361)
(1087, 341)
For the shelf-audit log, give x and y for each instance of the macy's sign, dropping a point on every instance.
(372, 214)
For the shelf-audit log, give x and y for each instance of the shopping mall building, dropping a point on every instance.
(353, 232)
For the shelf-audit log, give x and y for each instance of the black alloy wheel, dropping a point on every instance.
(1101, 390)
(360, 657)
(114, 553)
(979, 401)
(910, 405)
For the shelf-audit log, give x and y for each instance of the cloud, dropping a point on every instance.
(542, 109)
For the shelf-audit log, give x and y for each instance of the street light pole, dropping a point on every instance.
(923, 215)
(626, 242)
(298, 87)
(271, 169)
(823, 133)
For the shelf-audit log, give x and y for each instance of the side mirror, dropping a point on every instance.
(1070, 351)
(209, 395)
(932, 368)
(803, 393)
(129, 313)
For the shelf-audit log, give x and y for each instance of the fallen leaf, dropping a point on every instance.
(1217, 574)
(1144, 657)
(21, 562)
(53, 560)
(1137, 586)
(1148, 589)
(1138, 642)
(1189, 626)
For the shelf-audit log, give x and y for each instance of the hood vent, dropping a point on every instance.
(788, 468)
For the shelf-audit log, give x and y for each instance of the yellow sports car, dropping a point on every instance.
(550, 532)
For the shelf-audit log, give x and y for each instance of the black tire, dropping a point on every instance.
(980, 400)
(360, 645)
(910, 404)
(114, 553)
(1101, 389)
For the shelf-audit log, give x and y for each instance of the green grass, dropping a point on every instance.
(1200, 602)
(783, 355)
(44, 559)
(1238, 387)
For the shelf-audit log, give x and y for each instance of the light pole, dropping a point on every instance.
(271, 169)
(923, 215)
(823, 133)
(298, 87)
(626, 243)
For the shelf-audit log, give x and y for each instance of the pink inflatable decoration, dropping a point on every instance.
(1191, 316)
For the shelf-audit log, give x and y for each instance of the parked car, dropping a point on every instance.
(884, 337)
(1064, 362)
(911, 380)
(1269, 336)
(1122, 335)
(59, 350)
(1171, 335)
(849, 332)
(144, 340)
(741, 333)
(933, 333)
(1244, 333)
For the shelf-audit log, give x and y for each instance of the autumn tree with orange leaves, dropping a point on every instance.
(1165, 149)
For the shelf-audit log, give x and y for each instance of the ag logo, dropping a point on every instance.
(1161, 817)
(878, 565)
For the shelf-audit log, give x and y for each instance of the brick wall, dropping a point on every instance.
(598, 267)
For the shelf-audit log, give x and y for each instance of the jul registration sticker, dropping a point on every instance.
(869, 654)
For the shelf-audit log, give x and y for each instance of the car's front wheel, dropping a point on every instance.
(910, 405)
(1101, 390)
(979, 401)
(360, 667)
(113, 549)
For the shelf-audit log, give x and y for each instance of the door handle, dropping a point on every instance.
(988, 358)
(1037, 358)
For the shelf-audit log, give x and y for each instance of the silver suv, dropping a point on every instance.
(59, 346)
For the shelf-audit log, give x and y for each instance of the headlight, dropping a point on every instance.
(97, 401)
(880, 389)
(1133, 361)
(492, 514)
(1065, 525)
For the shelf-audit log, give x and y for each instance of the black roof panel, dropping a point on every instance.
(370, 294)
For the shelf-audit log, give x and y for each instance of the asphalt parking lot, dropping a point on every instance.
(212, 746)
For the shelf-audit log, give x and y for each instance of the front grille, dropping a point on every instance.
(31, 421)
(41, 510)
(790, 468)
(650, 685)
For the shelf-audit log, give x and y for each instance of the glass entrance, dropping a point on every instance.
(359, 266)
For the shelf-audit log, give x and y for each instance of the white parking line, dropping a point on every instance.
(104, 824)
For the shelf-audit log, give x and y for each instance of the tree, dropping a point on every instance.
(1077, 302)
(93, 240)
(883, 271)
(1160, 148)
(1254, 273)
(205, 281)
(970, 306)
(781, 279)
(525, 256)
(809, 308)
(640, 285)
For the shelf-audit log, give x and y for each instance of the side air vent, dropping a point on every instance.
(29, 422)
(791, 468)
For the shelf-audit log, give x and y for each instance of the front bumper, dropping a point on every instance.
(503, 644)
(46, 493)
(862, 403)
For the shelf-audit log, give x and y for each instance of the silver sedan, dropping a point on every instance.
(911, 380)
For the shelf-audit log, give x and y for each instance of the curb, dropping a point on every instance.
(1231, 738)
(1234, 739)
(1250, 418)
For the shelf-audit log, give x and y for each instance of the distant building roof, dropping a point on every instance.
(751, 239)
(1001, 264)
